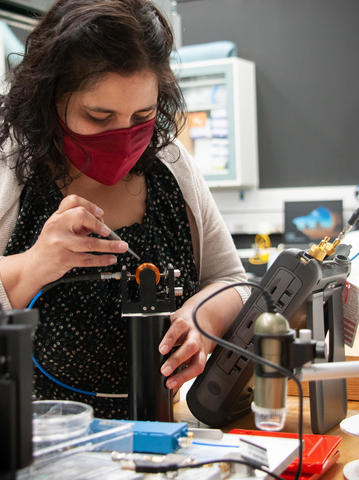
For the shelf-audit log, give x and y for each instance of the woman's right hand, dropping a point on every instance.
(64, 243)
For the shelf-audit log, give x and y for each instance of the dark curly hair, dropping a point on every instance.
(71, 47)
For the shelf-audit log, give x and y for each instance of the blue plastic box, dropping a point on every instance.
(157, 437)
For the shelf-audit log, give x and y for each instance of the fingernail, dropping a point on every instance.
(105, 230)
(166, 371)
(113, 260)
(171, 384)
(122, 245)
(164, 349)
(99, 212)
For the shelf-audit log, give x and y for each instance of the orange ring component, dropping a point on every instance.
(151, 267)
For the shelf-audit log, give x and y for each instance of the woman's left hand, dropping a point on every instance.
(192, 348)
(191, 352)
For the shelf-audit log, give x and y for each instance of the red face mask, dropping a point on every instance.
(107, 157)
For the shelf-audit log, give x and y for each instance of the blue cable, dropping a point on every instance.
(355, 256)
(58, 381)
(31, 304)
(44, 372)
(215, 444)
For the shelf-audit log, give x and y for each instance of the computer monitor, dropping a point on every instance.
(310, 221)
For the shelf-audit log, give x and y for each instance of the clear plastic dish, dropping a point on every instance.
(57, 420)
(86, 456)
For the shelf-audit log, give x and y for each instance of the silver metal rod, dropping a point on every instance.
(114, 236)
(328, 371)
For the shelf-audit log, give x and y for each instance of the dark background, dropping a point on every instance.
(307, 65)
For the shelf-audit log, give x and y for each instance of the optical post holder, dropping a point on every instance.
(148, 321)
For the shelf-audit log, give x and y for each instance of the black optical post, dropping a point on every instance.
(16, 327)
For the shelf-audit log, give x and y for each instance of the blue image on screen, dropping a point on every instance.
(319, 217)
(308, 221)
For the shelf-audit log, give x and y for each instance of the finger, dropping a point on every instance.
(189, 348)
(178, 328)
(73, 201)
(194, 368)
(88, 260)
(91, 244)
(79, 219)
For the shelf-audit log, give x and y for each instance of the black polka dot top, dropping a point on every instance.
(81, 339)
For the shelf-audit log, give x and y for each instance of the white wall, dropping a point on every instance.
(262, 210)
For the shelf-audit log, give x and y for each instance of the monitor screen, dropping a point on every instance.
(311, 221)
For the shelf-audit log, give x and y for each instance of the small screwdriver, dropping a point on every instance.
(350, 224)
(114, 236)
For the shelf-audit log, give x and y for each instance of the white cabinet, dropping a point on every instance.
(221, 128)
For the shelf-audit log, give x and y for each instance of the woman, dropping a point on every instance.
(87, 135)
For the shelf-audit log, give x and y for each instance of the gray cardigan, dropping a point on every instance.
(215, 254)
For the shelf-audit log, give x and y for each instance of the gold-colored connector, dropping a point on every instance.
(324, 249)
(185, 442)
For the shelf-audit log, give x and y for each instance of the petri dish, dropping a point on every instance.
(58, 420)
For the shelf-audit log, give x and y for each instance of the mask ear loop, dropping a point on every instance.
(87, 155)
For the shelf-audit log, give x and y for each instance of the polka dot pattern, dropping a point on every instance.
(81, 339)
